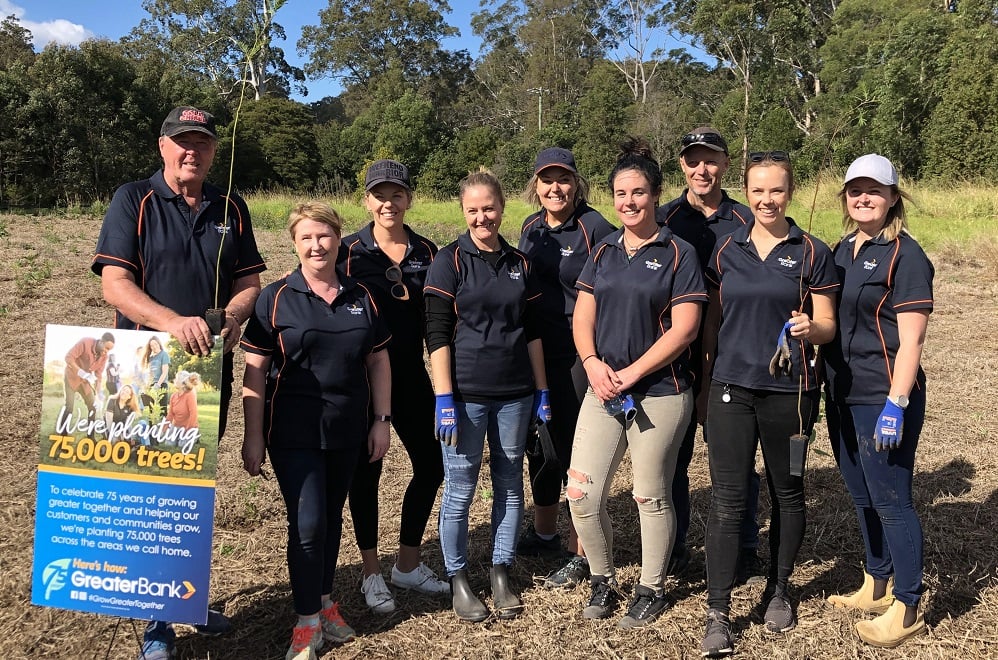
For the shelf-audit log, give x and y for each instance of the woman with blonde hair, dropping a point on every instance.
(875, 394)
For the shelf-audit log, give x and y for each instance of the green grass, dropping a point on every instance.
(941, 214)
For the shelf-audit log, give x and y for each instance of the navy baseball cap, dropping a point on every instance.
(185, 118)
(555, 157)
(387, 171)
(704, 136)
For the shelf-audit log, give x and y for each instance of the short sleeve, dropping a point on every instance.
(824, 276)
(441, 278)
(258, 337)
(118, 243)
(912, 279)
(687, 282)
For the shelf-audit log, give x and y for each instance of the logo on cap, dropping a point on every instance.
(193, 116)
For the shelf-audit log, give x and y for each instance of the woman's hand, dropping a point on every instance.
(603, 379)
(378, 440)
(253, 454)
(802, 325)
(627, 377)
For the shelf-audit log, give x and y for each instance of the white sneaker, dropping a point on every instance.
(376, 593)
(421, 579)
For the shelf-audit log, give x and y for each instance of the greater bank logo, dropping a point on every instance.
(85, 576)
(54, 576)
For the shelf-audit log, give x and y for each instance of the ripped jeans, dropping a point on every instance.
(654, 438)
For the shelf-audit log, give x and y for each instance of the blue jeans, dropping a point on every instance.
(504, 423)
(880, 486)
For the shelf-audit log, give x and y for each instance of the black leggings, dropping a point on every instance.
(567, 383)
(733, 429)
(314, 483)
(413, 406)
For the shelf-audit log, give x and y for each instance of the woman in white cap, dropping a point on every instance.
(558, 240)
(875, 393)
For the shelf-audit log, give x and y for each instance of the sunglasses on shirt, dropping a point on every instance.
(399, 290)
(776, 156)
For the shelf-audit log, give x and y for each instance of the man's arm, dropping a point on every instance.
(245, 291)
(123, 293)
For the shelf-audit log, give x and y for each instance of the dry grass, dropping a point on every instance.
(45, 279)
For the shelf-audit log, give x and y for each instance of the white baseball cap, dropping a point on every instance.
(873, 166)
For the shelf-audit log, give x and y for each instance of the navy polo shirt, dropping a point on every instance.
(317, 388)
(634, 302)
(557, 256)
(885, 278)
(756, 300)
(489, 352)
(689, 224)
(173, 250)
(361, 258)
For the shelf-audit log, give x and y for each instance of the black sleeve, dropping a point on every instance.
(441, 319)
(531, 323)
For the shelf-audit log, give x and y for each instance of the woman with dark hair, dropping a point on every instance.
(156, 362)
(315, 365)
(488, 374)
(392, 261)
(767, 280)
(876, 394)
(558, 240)
(637, 312)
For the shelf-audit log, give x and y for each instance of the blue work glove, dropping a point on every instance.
(446, 420)
(782, 364)
(887, 435)
(542, 406)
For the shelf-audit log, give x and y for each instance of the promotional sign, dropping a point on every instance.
(126, 477)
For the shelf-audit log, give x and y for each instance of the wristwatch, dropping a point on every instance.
(901, 401)
(388, 418)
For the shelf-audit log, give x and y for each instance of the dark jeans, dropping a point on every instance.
(314, 483)
(567, 383)
(880, 486)
(749, 539)
(412, 417)
(84, 390)
(735, 428)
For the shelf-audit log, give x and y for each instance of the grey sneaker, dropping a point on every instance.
(780, 616)
(604, 598)
(717, 638)
(570, 575)
(645, 608)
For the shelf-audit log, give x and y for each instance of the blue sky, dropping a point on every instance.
(72, 21)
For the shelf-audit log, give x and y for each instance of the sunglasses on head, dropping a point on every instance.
(703, 138)
(399, 290)
(777, 156)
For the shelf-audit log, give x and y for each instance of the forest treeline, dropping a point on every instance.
(826, 80)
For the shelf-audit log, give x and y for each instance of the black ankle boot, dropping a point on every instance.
(466, 605)
(508, 604)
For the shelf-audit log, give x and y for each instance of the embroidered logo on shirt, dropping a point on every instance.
(514, 274)
(653, 264)
(415, 264)
(567, 251)
(355, 309)
(869, 265)
(787, 262)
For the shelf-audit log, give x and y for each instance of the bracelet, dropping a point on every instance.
(584, 359)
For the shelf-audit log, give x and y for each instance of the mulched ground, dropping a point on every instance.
(45, 279)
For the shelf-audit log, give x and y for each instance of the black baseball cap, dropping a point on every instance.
(387, 171)
(555, 157)
(186, 118)
(704, 136)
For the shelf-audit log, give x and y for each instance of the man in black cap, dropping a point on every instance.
(172, 247)
(701, 215)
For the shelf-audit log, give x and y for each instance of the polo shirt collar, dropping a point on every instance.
(209, 193)
(296, 280)
(465, 243)
(742, 234)
(664, 238)
(723, 209)
(570, 223)
(876, 240)
(366, 236)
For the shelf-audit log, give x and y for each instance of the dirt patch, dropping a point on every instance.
(45, 279)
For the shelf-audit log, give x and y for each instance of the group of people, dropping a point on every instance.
(596, 340)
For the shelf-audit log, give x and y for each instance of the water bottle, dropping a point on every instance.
(621, 405)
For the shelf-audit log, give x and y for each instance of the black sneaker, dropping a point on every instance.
(679, 560)
(531, 545)
(217, 624)
(717, 638)
(645, 608)
(780, 616)
(604, 598)
(570, 575)
(750, 568)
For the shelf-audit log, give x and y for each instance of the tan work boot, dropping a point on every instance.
(863, 599)
(887, 630)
